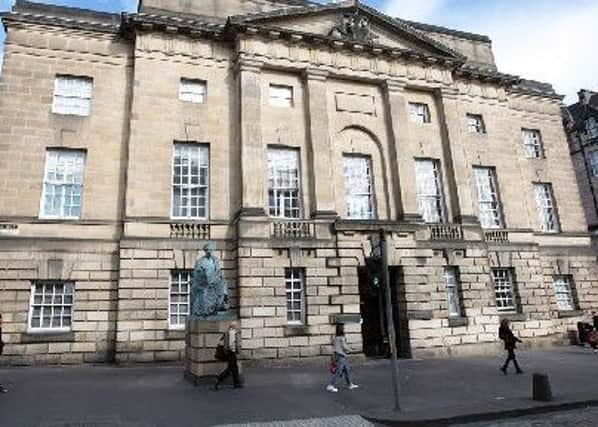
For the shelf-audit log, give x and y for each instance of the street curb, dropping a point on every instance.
(484, 416)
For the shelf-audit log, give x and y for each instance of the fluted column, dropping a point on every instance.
(401, 150)
(459, 169)
(320, 146)
(253, 154)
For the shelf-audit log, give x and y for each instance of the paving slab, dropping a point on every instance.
(155, 395)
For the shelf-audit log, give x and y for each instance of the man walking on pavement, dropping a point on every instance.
(2, 389)
(231, 340)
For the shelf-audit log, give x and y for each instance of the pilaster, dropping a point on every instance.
(253, 155)
(404, 172)
(320, 148)
(459, 183)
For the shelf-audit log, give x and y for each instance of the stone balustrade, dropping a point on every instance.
(446, 232)
(497, 236)
(188, 230)
(293, 229)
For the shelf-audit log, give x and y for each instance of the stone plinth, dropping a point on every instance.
(202, 337)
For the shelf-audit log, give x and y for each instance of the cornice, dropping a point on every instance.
(339, 44)
(58, 21)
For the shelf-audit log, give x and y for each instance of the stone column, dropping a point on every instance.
(403, 169)
(253, 153)
(323, 204)
(459, 168)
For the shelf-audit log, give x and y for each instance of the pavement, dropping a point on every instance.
(433, 392)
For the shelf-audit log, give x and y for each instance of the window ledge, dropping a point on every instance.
(570, 313)
(458, 321)
(296, 330)
(44, 337)
(513, 317)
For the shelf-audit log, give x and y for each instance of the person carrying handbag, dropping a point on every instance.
(230, 341)
(2, 389)
(505, 334)
(343, 368)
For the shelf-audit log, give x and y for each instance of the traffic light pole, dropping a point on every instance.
(390, 319)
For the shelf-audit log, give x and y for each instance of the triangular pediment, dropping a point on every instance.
(349, 21)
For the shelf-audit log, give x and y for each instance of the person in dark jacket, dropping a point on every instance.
(2, 389)
(230, 340)
(505, 334)
(595, 320)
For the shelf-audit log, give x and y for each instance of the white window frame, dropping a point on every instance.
(430, 203)
(593, 160)
(359, 187)
(504, 289)
(72, 95)
(190, 183)
(281, 96)
(563, 292)
(178, 280)
(592, 128)
(284, 183)
(47, 304)
(547, 211)
(294, 281)
(451, 280)
(192, 90)
(64, 174)
(489, 204)
(532, 143)
(475, 123)
(419, 113)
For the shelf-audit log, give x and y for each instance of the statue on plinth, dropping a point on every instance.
(209, 291)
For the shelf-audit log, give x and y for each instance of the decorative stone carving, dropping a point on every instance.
(353, 27)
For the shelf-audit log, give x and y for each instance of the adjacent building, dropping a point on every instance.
(581, 124)
(288, 133)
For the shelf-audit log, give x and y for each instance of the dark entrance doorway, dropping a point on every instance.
(374, 329)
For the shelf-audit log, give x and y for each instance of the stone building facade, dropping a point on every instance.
(581, 124)
(288, 133)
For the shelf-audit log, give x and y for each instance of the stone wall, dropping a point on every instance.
(93, 268)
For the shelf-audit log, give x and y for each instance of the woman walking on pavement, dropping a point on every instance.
(2, 389)
(230, 340)
(343, 368)
(505, 334)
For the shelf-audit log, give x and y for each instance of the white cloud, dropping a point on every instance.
(546, 40)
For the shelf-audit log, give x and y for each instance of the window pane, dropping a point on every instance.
(359, 195)
(284, 183)
(190, 181)
(192, 91)
(546, 208)
(63, 183)
(72, 95)
(503, 289)
(429, 193)
(281, 96)
(532, 143)
(180, 284)
(488, 201)
(51, 305)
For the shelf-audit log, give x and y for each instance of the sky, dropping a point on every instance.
(545, 40)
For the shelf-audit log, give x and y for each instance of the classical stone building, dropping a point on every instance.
(581, 125)
(288, 133)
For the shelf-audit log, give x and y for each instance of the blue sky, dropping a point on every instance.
(547, 40)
